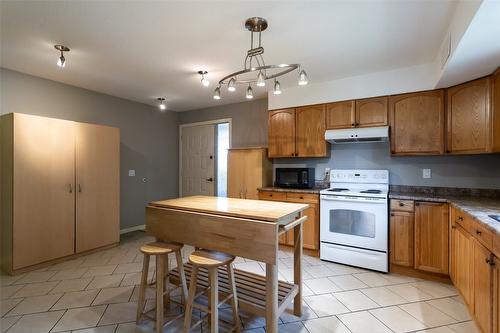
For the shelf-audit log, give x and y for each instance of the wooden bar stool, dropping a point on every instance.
(161, 251)
(211, 261)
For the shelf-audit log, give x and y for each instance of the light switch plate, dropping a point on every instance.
(131, 173)
(426, 173)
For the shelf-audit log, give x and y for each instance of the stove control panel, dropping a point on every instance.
(360, 176)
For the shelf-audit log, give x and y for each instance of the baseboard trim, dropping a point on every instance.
(134, 228)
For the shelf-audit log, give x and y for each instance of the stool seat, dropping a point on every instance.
(159, 248)
(208, 259)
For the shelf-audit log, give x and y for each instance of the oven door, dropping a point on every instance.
(354, 221)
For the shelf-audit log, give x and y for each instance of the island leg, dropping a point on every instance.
(297, 268)
(271, 298)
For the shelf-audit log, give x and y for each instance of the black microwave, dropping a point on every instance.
(294, 177)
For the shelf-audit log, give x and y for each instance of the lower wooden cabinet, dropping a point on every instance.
(431, 237)
(461, 261)
(483, 282)
(496, 296)
(401, 225)
(310, 230)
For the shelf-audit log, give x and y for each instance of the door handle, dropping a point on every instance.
(80, 188)
(209, 179)
(70, 188)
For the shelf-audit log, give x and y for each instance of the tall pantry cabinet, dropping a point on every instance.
(59, 185)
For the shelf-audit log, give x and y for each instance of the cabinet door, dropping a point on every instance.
(282, 133)
(98, 186)
(496, 296)
(236, 168)
(469, 117)
(401, 238)
(371, 112)
(255, 174)
(417, 123)
(310, 229)
(483, 291)
(310, 131)
(463, 279)
(340, 115)
(44, 196)
(431, 237)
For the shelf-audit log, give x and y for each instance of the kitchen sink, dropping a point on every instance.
(495, 217)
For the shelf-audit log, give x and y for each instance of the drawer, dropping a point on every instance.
(482, 234)
(270, 195)
(402, 205)
(464, 220)
(302, 197)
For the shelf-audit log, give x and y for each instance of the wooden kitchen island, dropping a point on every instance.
(245, 228)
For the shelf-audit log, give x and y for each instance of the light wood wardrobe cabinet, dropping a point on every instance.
(282, 133)
(97, 186)
(417, 123)
(59, 189)
(247, 170)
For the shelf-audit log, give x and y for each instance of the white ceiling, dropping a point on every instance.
(146, 49)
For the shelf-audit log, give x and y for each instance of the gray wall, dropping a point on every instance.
(474, 171)
(149, 138)
(250, 129)
(249, 121)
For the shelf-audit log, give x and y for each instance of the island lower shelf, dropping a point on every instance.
(250, 288)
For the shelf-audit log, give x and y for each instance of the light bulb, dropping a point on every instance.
(303, 80)
(277, 87)
(162, 106)
(261, 80)
(230, 85)
(61, 62)
(217, 93)
(249, 94)
(205, 82)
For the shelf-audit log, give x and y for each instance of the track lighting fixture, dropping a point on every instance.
(303, 80)
(230, 85)
(249, 94)
(204, 80)
(277, 87)
(61, 62)
(162, 106)
(217, 93)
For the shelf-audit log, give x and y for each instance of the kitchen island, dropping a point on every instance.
(240, 227)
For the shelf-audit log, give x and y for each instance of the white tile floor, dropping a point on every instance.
(97, 294)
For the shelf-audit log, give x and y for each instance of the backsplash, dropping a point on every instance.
(471, 171)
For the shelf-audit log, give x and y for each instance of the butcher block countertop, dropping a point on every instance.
(270, 211)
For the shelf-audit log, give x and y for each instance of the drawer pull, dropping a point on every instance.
(453, 226)
(401, 204)
(478, 232)
(392, 214)
(460, 218)
(490, 260)
(301, 197)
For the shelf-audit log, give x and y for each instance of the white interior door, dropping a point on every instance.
(198, 160)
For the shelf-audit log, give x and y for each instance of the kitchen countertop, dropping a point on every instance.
(314, 190)
(478, 207)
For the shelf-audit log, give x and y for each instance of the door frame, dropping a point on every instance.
(200, 123)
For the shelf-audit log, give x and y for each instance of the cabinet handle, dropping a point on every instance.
(401, 204)
(453, 226)
(478, 232)
(271, 195)
(80, 188)
(460, 218)
(490, 260)
(302, 197)
(352, 124)
(447, 151)
(357, 124)
(417, 204)
(392, 214)
(70, 188)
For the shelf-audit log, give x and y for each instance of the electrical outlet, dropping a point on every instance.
(131, 173)
(426, 173)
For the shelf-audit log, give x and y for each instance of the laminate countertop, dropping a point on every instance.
(477, 207)
(314, 190)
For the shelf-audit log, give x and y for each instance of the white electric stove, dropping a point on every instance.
(354, 219)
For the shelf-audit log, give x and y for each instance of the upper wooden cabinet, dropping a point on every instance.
(298, 132)
(371, 112)
(469, 123)
(282, 133)
(431, 237)
(417, 123)
(340, 115)
(368, 112)
(495, 142)
(310, 131)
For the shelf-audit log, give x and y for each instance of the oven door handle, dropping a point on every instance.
(354, 199)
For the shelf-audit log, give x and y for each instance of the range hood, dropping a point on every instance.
(350, 135)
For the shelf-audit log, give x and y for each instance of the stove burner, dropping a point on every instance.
(338, 189)
(371, 191)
